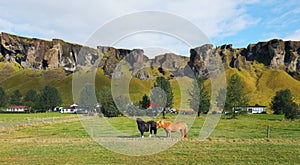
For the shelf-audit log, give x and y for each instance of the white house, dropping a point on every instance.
(18, 108)
(256, 109)
(251, 109)
(71, 109)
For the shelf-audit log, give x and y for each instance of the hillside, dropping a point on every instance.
(265, 67)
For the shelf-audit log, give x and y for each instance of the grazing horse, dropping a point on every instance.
(173, 127)
(146, 127)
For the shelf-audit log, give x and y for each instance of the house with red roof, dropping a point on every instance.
(17, 108)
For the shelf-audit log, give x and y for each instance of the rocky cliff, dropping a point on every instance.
(41, 54)
(274, 54)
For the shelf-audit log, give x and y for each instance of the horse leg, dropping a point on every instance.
(150, 131)
(167, 133)
(142, 134)
(182, 133)
(185, 132)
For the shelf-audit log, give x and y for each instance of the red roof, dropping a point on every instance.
(154, 105)
(17, 106)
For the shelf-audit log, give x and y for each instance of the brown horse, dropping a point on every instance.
(173, 127)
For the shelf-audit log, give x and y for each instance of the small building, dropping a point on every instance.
(17, 108)
(71, 109)
(256, 109)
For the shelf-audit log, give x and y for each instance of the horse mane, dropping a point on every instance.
(166, 124)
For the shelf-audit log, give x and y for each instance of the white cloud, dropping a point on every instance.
(75, 21)
(154, 43)
(294, 36)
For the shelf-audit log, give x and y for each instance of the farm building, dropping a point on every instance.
(256, 109)
(251, 109)
(71, 109)
(19, 108)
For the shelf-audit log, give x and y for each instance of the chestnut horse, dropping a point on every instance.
(173, 127)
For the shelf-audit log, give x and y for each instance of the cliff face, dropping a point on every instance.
(139, 62)
(170, 61)
(274, 54)
(135, 58)
(42, 54)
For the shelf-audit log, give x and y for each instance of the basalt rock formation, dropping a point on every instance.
(42, 54)
(274, 54)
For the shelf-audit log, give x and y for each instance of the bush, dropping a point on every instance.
(293, 112)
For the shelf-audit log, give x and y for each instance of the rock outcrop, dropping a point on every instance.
(170, 61)
(135, 61)
(174, 63)
(274, 54)
(42, 54)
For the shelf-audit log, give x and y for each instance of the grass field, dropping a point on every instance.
(239, 141)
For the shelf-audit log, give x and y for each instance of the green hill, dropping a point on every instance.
(261, 83)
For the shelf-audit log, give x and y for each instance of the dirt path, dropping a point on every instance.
(32, 122)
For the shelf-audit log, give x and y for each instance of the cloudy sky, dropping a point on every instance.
(239, 22)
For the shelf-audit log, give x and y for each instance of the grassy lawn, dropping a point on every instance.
(239, 141)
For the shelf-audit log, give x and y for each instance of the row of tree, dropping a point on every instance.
(231, 99)
(46, 99)
(234, 97)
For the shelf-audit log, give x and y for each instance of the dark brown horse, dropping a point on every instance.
(146, 127)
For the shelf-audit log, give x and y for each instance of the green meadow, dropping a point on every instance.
(234, 141)
(260, 83)
(54, 138)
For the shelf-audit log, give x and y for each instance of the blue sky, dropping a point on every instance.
(239, 22)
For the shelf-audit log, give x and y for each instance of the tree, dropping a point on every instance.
(49, 98)
(109, 109)
(221, 98)
(31, 99)
(158, 99)
(164, 84)
(87, 98)
(3, 97)
(236, 96)
(282, 103)
(16, 98)
(293, 112)
(145, 102)
(31, 96)
(200, 99)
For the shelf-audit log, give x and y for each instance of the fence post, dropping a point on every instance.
(268, 131)
(37, 131)
(10, 127)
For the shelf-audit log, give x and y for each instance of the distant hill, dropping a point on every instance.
(265, 67)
